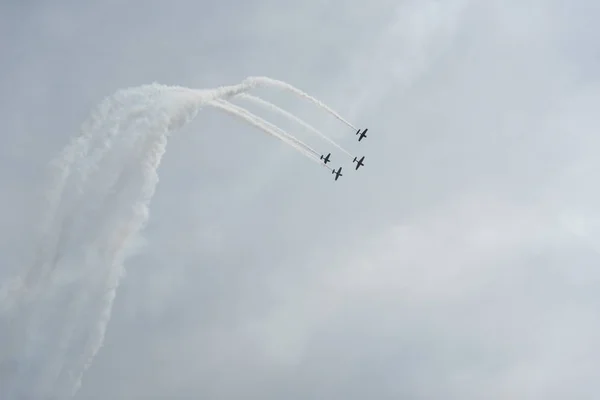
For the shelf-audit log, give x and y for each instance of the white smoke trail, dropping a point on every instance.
(75, 154)
(278, 131)
(130, 101)
(266, 127)
(116, 248)
(72, 208)
(116, 182)
(292, 117)
(263, 80)
(102, 186)
(178, 114)
(78, 220)
(270, 128)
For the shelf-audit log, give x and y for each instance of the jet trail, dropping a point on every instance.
(284, 85)
(116, 247)
(129, 101)
(280, 132)
(292, 117)
(268, 128)
(55, 312)
(75, 153)
(117, 183)
(85, 239)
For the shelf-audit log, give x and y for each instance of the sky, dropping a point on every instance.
(460, 263)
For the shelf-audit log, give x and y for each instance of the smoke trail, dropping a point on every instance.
(268, 128)
(130, 101)
(177, 114)
(55, 313)
(116, 247)
(116, 184)
(60, 324)
(125, 102)
(292, 117)
(280, 132)
(258, 80)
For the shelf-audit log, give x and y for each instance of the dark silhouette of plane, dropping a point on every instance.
(325, 159)
(359, 163)
(362, 134)
(337, 173)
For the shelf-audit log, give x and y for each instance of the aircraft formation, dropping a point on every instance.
(221, 101)
(359, 161)
(107, 177)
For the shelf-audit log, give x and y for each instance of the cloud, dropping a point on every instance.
(477, 296)
(459, 263)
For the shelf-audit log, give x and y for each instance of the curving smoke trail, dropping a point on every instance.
(263, 80)
(267, 127)
(63, 305)
(270, 106)
(55, 313)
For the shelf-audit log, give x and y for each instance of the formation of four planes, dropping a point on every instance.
(359, 162)
(273, 130)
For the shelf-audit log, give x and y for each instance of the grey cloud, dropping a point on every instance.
(459, 263)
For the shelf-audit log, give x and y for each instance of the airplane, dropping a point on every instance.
(362, 134)
(359, 163)
(337, 173)
(325, 159)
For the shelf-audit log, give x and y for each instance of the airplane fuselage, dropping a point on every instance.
(337, 173)
(362, 134)
(359, 163)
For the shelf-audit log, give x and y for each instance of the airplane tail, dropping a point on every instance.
(354, 159)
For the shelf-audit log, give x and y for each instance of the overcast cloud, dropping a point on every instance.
(460, 263)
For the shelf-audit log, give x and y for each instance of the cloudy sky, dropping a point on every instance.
(461, 263)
